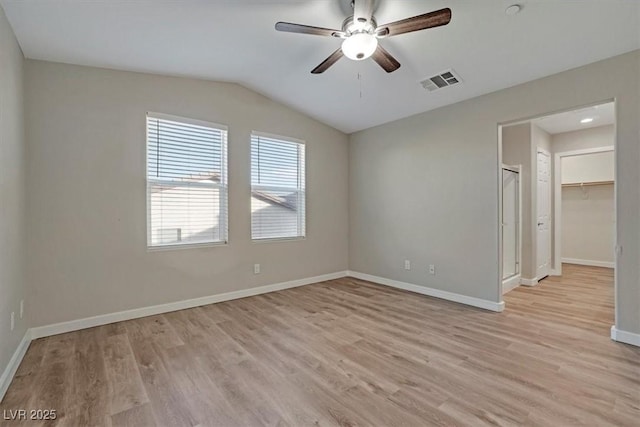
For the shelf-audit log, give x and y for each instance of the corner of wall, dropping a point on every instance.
(13, 227)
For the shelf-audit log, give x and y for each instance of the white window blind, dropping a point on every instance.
(277, 188)
(186, 181)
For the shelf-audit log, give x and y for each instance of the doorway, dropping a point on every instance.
(565, 167)
(511, 227)
(585, 207)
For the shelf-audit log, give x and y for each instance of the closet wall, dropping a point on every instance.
(588, 197)
(588, 225)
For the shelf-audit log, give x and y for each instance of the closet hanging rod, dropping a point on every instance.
(586, 184)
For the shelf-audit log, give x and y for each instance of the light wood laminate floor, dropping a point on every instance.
(347, 352)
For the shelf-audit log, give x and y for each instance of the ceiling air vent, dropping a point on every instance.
(441, 80)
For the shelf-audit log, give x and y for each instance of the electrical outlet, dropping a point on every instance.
(256, 268)
(407, 264)
(13, 320)
(21, 308)
(432, 269)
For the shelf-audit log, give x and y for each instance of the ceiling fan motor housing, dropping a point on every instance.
(350, 26)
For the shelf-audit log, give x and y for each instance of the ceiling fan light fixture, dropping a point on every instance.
(359, 46)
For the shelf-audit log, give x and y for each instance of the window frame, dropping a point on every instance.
(223, 185)
(301, 162)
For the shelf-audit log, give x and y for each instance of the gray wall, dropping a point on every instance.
(601, 136)
(12, 191)
(426, 187)
(86, 193)
(423, 188)
(540, 139)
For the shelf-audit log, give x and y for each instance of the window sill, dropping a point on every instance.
(164, 248)
(278, 240)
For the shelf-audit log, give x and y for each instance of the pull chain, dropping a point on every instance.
(360, 84)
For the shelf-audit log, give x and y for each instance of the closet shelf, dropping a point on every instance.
(586, 184)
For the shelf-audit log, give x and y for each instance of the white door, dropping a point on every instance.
(543, 256)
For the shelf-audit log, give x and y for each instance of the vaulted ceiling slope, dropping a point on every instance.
(235, 40)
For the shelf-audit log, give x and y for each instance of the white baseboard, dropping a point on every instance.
(510, 284)
(14, 362)
(104, 319)
(528, 282)
(437, 293)
(589, 262)
(625, 337)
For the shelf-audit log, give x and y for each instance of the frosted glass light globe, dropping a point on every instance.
(359, 46)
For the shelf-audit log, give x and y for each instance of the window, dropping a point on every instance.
(277, 188)
(186, 182)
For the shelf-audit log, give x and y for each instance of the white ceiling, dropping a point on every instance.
(235, 40)
(603, 114)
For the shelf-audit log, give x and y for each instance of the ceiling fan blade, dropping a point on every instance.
(385, 60)
(420, 22)
(289, 27)
(362, 10)
(332, 59)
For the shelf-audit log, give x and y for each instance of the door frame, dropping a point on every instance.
(498, 182)
(551, 214)
(557, 202)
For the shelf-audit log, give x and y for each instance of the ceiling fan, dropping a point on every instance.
(360, 34)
